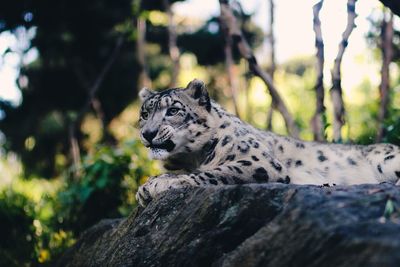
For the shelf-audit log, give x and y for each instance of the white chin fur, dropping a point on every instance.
(160, 154)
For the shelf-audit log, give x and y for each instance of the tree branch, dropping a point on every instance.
(336, 90)
(75, 152)
(318, 122)
(229, 20)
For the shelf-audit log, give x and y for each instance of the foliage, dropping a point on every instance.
(17, 242)
(392, 127)
(73, 50)
(389, 208)
(207, 43)
(37, 226)
(155, 4)
(107, 186)
(373, 37)
(74, 41)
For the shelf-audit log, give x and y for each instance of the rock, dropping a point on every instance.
(251, 225)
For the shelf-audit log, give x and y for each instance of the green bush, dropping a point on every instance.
(40, 219)
(17, 231)
(392, 127)
(106, 187)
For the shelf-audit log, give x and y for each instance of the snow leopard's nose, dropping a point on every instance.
(149, 135)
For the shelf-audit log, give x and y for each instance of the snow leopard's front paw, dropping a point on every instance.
(147, 191)
(156, 185)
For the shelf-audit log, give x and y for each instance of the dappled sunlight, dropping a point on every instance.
(158, 17)
(124, 127)
(35, 189)
(10, 167)
(190, 70)
(92, 128)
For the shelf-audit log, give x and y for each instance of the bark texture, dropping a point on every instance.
(230, 67)
(144, 79)
(336, 90)
(251, 225)
(318, 121)
(272, 61)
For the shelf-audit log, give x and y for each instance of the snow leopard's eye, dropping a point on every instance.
(172, 111)
(144, 115)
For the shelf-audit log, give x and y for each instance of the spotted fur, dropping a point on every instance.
(208, 146)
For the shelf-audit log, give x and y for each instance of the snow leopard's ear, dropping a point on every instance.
(145, 93)
(197, 89)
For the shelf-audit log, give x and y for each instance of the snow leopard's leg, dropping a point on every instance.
(239, 172)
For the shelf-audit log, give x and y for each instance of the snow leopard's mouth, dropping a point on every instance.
(167, 145)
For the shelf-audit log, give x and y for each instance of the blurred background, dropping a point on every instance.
(70, 72)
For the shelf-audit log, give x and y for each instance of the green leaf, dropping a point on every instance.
(389, 208)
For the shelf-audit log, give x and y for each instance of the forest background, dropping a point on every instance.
(70, 72)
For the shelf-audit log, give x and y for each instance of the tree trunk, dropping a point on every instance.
(387, 55)
(230, 67)
(336, 90)
(229, 20)
(173, 48)
(318, 121)
(272, 67)
(75, 152)
(144, 80)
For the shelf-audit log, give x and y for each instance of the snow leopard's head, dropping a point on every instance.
(175, 120)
